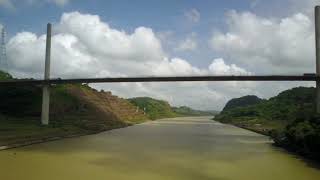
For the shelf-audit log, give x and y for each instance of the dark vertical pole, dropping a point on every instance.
(46, 90)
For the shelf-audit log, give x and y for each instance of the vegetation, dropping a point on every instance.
(155, 109)
(242, 102)
(289, 118)
(187, 111)
(5, 76)
(74, 110)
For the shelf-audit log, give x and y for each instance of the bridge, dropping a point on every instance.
(311, 77)
(46, 82)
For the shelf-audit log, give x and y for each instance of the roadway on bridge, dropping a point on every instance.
(163, 79)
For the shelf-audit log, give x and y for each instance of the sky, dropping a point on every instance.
(121, 38)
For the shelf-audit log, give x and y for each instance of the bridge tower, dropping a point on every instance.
(317, 36)
(3, 51)
(46, 87)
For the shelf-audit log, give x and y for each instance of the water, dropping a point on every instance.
(170, 149)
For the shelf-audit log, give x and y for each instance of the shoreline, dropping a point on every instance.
(40, 140)
(264, 132)
(307, 158)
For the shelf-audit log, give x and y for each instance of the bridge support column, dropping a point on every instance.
(317, 35)
(46, 87)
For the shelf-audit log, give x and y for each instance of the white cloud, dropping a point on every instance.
(84, 46)
(188, 44)
(219, 67)
(193, 15)
(100, 39)
(268, 45)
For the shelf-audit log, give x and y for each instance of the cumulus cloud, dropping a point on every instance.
(188, 44)
(219, 67)
(193, 15)
(269, 45)
(266, 46)
(84, 46)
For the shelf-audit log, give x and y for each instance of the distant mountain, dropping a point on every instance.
(187, 111)
(242, 102)
(289, 118)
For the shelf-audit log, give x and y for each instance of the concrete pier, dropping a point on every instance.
(46, 88)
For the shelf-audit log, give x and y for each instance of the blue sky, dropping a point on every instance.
(161, 16)
(152, 37)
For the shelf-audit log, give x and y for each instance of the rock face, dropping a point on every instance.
(242, 102)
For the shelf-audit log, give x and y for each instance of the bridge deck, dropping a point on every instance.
(163, 79)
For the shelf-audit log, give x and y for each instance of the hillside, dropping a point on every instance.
(279, 109)
(242, 102)
(289, 118)
(74, 110)
(155, 109)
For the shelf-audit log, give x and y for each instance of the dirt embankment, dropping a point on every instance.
(75, 110)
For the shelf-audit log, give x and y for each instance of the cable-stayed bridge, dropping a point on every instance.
(46, 82)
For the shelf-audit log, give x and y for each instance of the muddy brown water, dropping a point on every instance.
(192, 148)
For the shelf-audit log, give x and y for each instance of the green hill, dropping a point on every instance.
(242, 102)
(281, 108)
(289, 118)
(155, 109)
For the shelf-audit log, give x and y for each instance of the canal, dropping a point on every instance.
(193, 148)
